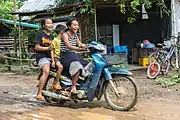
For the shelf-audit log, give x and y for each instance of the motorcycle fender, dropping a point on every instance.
(108, 72)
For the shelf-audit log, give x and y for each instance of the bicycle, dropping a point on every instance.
(170, 58)
(162, 62)
(158, 54)
(155, 61)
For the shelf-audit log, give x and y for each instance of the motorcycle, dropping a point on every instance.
(117, 85)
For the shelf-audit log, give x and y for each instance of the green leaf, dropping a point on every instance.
(131, 19)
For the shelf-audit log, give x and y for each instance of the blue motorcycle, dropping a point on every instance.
(117, 85)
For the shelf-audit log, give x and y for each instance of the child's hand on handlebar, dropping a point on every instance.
(82, 49)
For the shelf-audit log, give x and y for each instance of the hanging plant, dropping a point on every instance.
(132, 8)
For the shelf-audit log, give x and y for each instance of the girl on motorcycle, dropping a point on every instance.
(72, 62)
(43, 42)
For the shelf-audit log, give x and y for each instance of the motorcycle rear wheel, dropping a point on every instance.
(48, 87)
(126, 98)
(32, 63)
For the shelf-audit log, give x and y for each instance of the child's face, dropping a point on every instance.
(48, 25)
(74, 26)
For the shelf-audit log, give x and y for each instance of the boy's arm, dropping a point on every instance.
(52, 55)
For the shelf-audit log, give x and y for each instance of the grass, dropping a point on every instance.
(172, 79)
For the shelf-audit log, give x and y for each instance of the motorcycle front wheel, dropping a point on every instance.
(124, 96)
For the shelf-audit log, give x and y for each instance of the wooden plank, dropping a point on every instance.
(6, 45)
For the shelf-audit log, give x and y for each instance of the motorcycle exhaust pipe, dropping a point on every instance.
(55, 95)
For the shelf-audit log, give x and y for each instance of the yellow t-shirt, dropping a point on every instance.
(56, 47)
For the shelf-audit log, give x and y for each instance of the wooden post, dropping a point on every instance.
(8, 62)
(95, 22)
(20, 51)
(14, 2)
(15, 20)
(174, 29)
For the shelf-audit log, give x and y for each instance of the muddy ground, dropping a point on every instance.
(17, 102)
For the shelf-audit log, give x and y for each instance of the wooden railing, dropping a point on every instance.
(8, 43)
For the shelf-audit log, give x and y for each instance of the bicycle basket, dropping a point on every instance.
(115, 58)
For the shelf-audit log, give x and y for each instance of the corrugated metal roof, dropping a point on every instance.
(63, 9)
(37, 5)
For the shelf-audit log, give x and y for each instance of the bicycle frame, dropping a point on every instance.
(170, 53)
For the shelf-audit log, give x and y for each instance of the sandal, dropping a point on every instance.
(56, 87)
(40, 98)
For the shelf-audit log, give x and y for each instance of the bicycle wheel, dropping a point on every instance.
(165, 67)
(153, 70)
(173, 61)
(126, 96)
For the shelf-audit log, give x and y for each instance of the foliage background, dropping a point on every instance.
(129, 7)
(7, 6)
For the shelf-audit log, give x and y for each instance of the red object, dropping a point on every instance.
(146, 42)
(154, 69)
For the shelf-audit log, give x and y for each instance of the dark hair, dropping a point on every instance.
(69, 23)
(59, 28)
(43, 21)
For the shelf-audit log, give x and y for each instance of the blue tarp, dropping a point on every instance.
(22, 24)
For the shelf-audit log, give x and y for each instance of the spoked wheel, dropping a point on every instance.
(173, 61)
(153, 70)
(121, 93)
(48, 87)
(165, 67)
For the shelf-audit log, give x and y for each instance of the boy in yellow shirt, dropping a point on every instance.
(55, 55)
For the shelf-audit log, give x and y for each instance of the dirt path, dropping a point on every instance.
(17, 103)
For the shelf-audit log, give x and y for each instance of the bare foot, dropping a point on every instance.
(73, 90)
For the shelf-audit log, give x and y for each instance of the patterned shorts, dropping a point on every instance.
(44, 61)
